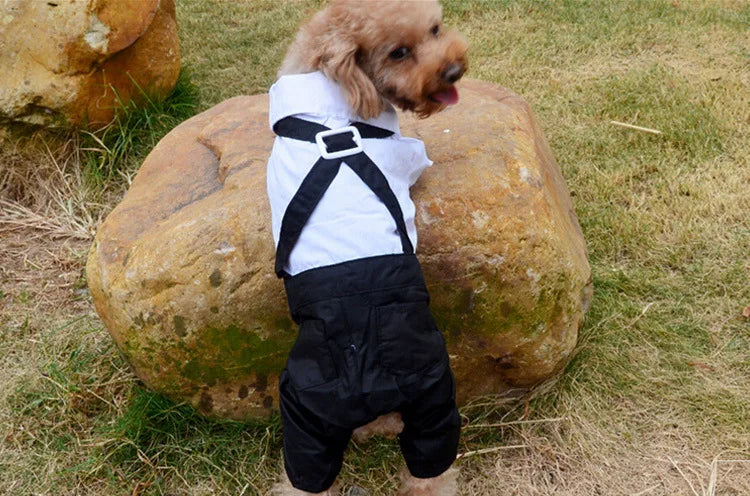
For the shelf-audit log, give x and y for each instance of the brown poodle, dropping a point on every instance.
(382, 51)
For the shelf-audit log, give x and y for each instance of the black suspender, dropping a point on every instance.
(337, 146)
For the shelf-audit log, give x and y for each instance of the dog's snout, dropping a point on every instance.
(453, 73)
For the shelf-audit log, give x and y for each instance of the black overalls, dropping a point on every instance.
(367, 342)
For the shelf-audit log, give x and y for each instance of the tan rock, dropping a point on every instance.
(181, 271)
(59, 60)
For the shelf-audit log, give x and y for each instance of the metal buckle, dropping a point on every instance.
(356, 137)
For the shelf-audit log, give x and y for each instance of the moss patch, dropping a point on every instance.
(221, 355)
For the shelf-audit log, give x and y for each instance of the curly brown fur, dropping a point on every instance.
(357, 43)
(389, 425)
(285, 488)
(444, 484)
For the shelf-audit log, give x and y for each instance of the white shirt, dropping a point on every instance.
(350, 222)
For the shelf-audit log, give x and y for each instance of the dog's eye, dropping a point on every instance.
(436, 29)
(399, 53)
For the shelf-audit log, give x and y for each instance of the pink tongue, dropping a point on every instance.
(448, 97)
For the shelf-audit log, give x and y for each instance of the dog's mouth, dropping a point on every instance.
(402, 102)
(446, 97)
(426, 105)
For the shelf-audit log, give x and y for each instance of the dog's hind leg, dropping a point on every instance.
(285, 488)
(445, 484)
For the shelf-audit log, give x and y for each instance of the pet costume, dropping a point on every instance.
(345, 236)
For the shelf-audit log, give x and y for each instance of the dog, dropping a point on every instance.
(370, 55)
(383, 51)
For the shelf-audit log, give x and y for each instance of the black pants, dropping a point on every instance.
(367, 345)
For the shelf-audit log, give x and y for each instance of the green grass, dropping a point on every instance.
(235, 48)
(118, 148)
(658, 393)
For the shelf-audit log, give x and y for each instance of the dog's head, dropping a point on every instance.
(378, 50)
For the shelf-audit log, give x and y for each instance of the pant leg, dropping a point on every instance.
(313, 450)
(432, 425)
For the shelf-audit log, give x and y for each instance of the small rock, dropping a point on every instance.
(60, 60)
(356, 491)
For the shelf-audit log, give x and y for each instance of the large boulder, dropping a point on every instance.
(181, 271)
(66, 63)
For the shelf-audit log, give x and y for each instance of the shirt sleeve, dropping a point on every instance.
(420, 160)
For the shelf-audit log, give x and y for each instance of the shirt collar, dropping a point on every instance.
(313, 93)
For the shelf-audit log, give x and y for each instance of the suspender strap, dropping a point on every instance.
(369, 173)
(300, 129)
(301, 207)
(321, 176)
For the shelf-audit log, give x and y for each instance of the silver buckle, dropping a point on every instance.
(356, 137)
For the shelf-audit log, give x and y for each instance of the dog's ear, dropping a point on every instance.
(339, 62)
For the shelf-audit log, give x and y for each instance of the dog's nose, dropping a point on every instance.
(453, 73)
